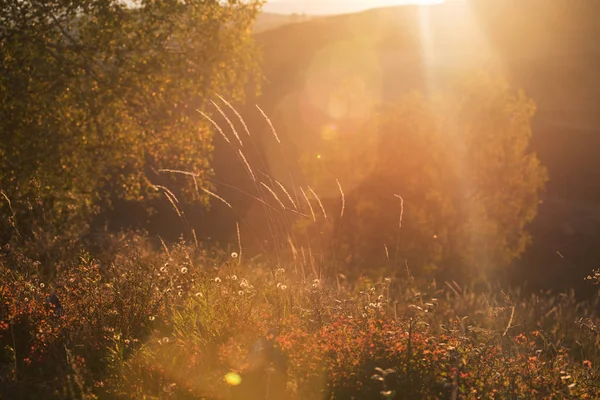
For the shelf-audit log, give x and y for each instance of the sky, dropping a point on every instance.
(334, 6)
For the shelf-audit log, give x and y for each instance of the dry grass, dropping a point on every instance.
(188, 322)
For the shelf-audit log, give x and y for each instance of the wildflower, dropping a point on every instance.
(170, 388)
(217, 280)
(199, 294)
(26, 299)
(244, 283)
(520, 339)
(380, 297)
(241, 292)
(163, 269)
(234, 255)
(279, 285)
(233, 278)
(126, 341)
(165, 340)
(315, 286)
(184, 270)
(152, 318)
(283, 287)
(42, 285)
(387, 280)
(280, 271)
(180, 293)
(316, 281)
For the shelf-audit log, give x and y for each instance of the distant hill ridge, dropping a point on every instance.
(327, 7)
(550, 49)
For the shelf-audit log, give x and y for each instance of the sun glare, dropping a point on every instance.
(386, 3)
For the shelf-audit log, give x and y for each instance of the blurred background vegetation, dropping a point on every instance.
(99, 96)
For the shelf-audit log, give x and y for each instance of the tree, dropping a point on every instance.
(96, 96)
(465, 180)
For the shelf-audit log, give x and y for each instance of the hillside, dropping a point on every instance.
(331, 7)
(267, 20)
(549, 51)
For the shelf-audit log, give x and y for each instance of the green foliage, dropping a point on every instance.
(453, 170)
(96, 96)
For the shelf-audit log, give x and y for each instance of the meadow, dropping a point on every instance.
(187, 320)
(363, 232)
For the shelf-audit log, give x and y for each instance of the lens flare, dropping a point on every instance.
(233, 379)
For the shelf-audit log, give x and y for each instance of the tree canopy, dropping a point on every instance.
(96, 96)
(445, 181)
